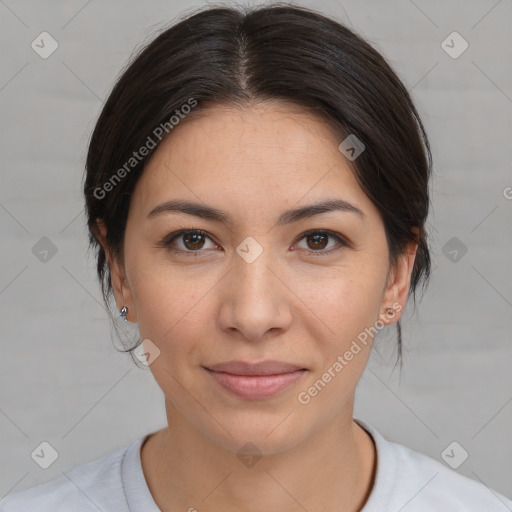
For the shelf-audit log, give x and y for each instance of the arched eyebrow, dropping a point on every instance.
(287, 217)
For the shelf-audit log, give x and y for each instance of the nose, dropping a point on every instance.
(255, 299)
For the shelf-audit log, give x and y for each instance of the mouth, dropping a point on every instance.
(255, 381)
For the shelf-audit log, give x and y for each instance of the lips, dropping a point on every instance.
(255, 381)
(263, 368)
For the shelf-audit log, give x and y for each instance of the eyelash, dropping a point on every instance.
(169, 239)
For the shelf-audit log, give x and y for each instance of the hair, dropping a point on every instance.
(238, 55)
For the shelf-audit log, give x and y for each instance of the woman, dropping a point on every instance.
(257, 188)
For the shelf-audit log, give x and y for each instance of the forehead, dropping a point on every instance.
(251, 157)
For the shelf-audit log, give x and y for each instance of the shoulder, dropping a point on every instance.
(410, 480)
(88, 487)
(428, 483)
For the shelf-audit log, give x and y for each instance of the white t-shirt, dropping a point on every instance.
(405, 480)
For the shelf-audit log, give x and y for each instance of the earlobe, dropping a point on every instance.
(397, 290)
(122, 292)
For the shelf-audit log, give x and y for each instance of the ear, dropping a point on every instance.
(397, 287)
(122, 291)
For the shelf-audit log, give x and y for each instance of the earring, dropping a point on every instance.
(123, 312)
(390, 311)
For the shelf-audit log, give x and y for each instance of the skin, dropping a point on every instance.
(254, 162)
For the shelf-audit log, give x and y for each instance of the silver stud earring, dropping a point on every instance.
(390, 311)
(123, 312)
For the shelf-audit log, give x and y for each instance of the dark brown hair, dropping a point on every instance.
(227, 55)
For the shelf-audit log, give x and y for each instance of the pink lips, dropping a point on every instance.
(255, 380)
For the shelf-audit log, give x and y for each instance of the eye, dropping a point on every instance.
(192, 241)
(317, 241)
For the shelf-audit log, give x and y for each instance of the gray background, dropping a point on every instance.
(63, 381)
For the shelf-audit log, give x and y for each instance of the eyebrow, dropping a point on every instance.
(287, 217)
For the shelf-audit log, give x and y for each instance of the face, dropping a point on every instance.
(307, 290)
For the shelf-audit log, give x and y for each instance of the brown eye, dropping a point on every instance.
(318, 241)
(191, 241)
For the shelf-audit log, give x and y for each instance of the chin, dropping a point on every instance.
(269, 432)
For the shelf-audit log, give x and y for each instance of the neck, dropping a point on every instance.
(332, 470)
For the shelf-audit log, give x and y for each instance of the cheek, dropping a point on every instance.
(347, 309)
(170, 303)
(344, 301)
